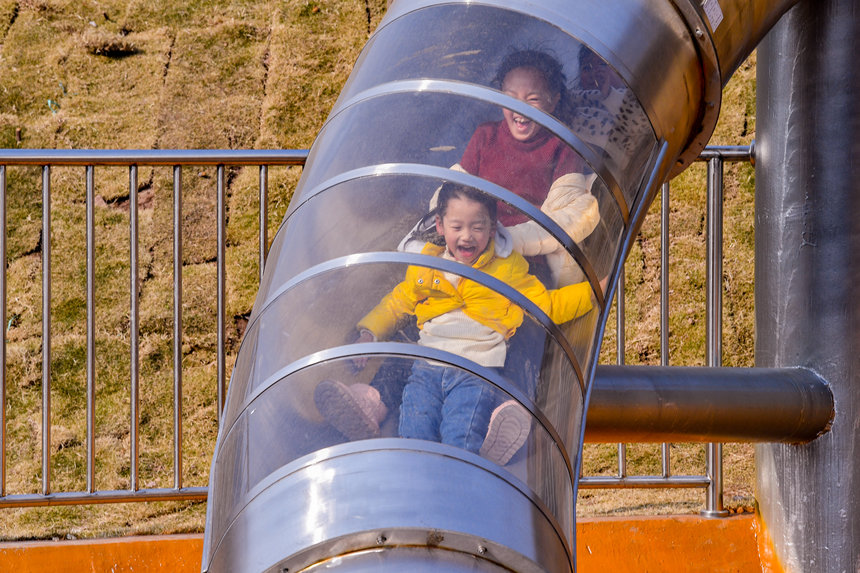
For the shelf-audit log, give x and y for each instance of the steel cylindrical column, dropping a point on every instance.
(807, 270)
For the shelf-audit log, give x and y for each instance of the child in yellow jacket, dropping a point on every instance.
(461, 316)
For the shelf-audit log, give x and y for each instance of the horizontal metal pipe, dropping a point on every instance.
(104, 496)
(730, 153)
(698, 404)
(153, 156)
(642, 482)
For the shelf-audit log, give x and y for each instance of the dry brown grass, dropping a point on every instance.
(203, 74)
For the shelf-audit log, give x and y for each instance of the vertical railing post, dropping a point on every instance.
(664, 305)
(713, 340)
(5, 329)
(264, 217)
(620, 343)
(221, 367)
(46, 329)
(177, 326)
(134, 325)
(91, 329)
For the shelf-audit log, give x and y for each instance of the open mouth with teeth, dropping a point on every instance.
(522, 123)
(466, 253)
(522, 127)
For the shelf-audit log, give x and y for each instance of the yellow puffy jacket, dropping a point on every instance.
(426, 293)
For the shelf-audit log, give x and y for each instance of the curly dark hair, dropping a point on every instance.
(548, 66)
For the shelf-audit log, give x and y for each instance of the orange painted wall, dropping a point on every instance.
(688, 544)
(168, 553)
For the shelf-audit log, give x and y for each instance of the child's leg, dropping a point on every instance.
(421, 410)
(525, 356)
(469, 401)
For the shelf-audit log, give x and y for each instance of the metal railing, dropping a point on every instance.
(712, 481)
(263, 159)
(46, 159)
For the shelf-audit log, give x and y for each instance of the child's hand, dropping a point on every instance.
(360, 362)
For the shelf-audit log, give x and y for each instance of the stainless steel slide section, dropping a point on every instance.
(567, 116)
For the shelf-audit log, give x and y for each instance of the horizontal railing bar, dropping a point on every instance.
(634, 482)
(732, 153)
(153, 156)
(104, 496)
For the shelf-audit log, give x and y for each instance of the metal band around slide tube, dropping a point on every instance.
(469, 180)
(439, 264)
(410, 351)
(489, 95)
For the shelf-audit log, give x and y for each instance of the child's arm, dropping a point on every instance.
(561, 305)
(571, 205)
(402, 300)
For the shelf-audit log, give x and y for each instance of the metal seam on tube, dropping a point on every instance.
(497, 191)
(388, 444)
(437, 263)
(91, 327)
(489, 95)
(46, 329)
(409, 350)
(405, 350)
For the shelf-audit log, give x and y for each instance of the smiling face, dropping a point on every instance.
(529, 85)
(467, 228)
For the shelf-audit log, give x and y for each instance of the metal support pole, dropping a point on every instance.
(714, 340)
(177, 326)
(134, 327)
(807, 271)
(91, 329)
(620, 343)
(220, 224)
(46, 329)
(665, 450)
(5, 329)
(264, 217)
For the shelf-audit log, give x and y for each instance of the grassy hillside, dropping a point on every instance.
(237, 74)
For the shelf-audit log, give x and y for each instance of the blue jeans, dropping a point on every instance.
(525, 357)
(447, 405)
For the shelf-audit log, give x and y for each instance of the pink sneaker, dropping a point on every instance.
(355, 411)
(507, 432)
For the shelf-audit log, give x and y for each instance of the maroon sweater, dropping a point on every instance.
(526, 168)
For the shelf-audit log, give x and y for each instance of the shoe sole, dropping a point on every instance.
(507, 432)
(340, 409)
